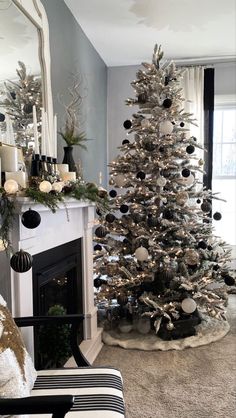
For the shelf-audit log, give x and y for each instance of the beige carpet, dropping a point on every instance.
(192, 383)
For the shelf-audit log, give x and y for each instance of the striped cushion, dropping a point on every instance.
(97, 390)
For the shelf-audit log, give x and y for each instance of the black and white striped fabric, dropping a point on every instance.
(97, 390)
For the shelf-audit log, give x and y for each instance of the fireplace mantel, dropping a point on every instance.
(72, 220)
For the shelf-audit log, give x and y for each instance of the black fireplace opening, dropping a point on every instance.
(57, 289)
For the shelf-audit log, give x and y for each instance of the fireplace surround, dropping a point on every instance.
(69, 230)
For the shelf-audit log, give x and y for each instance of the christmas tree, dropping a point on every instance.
(17, 100)
(155, 252)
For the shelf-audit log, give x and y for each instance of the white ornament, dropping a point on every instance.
(182, 198)
(166, 127)
(161, 181)
(145, 123)
(188, 305)
(45, 186)
(143, 325)
(119, 180)
(57, 187)
(187, 181)
(141, 254)
(11, 186)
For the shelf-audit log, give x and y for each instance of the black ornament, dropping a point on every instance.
(28, 108)
(31, 219)
(161, 149)
(142, 98)
(127, 124)
(167, 103)
(206, 220)
(125, 141)
(198, 201)
(206, 206)
(141, 175)
(168, 214)
(181, 124)
(2, 117)
(210, 248)
(229, 280)
(124, 208)
(216, 267)
(98, 282)
(97, 247)
(125, 241)
(202, 245)
(138, 217)
(21, 261)
(149, 146)
(217, 216)
(190, 149)
(185, 172)
(152, 222)
(98, 212)
(165, 173)
(110, 217)
(13, 95)
(113, 193)
(100, 232)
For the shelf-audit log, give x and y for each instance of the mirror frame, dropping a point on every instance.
(35, 12)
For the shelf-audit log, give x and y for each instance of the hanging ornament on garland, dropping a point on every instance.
(141, 254)
(181, 124)
(21, 261)
(202, 245)
(31, 219)
(127, 124)
(2, 117)
(166, 127)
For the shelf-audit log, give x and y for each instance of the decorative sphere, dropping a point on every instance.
(28, 108)
(202, 245)
(141, 175)
(162, 149)
(100, 232)
(110, 217)
(2, 117)
(186, 172)
(191, 257)
(31, 219)
(127, 124)
(161, 181)
(182, 198)
(21, 261)
(97, 247)
(97, 283)
(168, 214)
(229, 280)
(11, 186)
(167, 103)
(143, 325)
(198, 201)
(141, 254)
(113, 193)
(120, 180)
(124, 208)
(190, 149)
(166, 127)
(188, 305)
(125, 141)
(57, 187)
(145, 123)
(181, 124)
(206, 206)
(45, 186)
(170, 326)
(188, 181)
(149, 146)
(217, 216)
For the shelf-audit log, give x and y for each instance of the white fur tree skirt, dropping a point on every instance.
(208, 331)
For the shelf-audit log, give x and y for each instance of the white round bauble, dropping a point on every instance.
(141, 254)
(143, 325)
(170, 326)
(166, 127)
(161, 181)
(45, 186)
(191, 257)
(182, 198)
(188, 305)
(11, 186)
(57, 187)
(187, 181)
(145, 123)
(119, 180)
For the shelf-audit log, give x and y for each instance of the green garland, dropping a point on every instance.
(78, 191)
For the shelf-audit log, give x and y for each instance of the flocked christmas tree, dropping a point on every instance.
(155, 248)
(17, 99)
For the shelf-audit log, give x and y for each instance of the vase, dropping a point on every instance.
(68, 158)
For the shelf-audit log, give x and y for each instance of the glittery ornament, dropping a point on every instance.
(168, 214)
(161, 181)
(141, 254)
(188, 305)
(182, 198)
(119, 180)
(152, 222)
(217, 216)
(127, 124)
(102, 192)
(191, 257)
(166, 127)
(138, 217)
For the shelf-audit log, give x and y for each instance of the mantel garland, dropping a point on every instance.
(77, 190)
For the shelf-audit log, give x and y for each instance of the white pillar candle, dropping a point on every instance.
(18, 176)
(63, 168)
(71, 176)
(9, 157)
(55, 136)
(8, 136)
(36, 141)
(43, 139)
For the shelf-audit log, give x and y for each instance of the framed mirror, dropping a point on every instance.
(26, 40)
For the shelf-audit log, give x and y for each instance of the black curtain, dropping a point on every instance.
(209, 89)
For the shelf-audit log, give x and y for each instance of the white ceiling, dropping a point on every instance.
(124, 32)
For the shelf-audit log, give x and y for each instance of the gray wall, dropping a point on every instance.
(72, 53)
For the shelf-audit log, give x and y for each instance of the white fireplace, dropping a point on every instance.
(69, 223)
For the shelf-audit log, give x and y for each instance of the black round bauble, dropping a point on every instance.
(2, 117)
(97, 247)
(28, 108)
(202, 245)
(190, 149)
(113, 193)
(127, 124)
(141, 175)
(229, 280)
(206, 206)
(198, 201)
(21, 261)
(161, 149)
(110, 217)
(185, 172)
(181, 124)
(168, 214)
(97, 283)
(125, 141)
(31, 219)
(142, 98)
(217, 216)
(100, 232)
(124, 208)
(167, 103)
(206, 220)
(13, 95)
(149, 146)
(216, 267)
